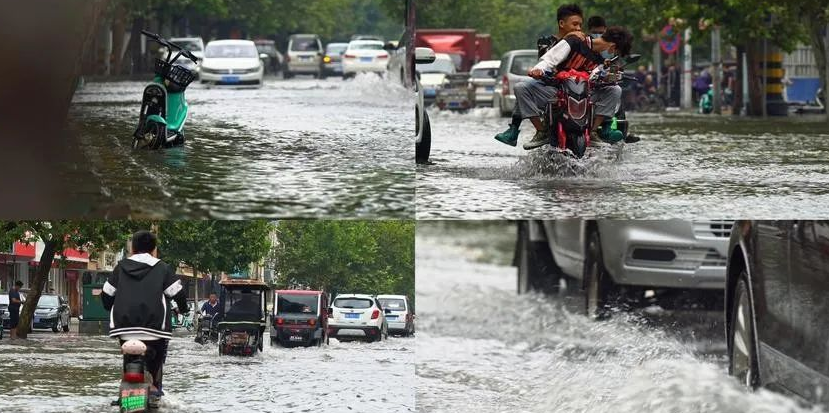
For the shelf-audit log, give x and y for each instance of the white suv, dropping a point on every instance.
(357, 317)
(399, 316)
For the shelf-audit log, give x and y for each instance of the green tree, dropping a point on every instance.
(369, 257)
(91, 236)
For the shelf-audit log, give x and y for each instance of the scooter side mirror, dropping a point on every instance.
(632, 58)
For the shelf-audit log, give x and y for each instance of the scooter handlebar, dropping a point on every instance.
(167, 43)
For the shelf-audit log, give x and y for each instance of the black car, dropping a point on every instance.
(777, 311)
(52, 312)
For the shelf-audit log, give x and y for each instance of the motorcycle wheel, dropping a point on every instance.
(577, 145)
(155, 134)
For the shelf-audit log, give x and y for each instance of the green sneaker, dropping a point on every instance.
(539, 139)
(509, 136)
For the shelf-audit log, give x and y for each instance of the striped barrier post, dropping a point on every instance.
(775, 104)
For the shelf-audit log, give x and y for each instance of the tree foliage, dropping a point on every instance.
(366, 257)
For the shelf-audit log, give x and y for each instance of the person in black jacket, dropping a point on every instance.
(137, 296)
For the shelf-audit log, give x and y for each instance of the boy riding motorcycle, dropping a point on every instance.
(570, 18)
(137, 295)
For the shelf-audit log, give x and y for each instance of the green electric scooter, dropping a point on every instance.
(163, 107)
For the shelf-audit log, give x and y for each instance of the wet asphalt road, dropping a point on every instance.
(294, 148)
(483, 348)
(67, 372)
(686, 166)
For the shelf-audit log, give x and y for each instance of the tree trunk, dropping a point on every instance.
(36, 284)
(754, 55)
(737, 101)
(119, 27)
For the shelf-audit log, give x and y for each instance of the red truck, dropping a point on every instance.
(464, 45)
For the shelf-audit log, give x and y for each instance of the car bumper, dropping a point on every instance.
(484, 99)
(676, 254)
(44, 322)
(232, 79)
(296, 335)
(358, 67)
(333, 67)
(304, 67)
(397, 326)
(353, 332)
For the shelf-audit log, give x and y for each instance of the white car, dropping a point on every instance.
(482, 78)
(423, 129)
(193, 45)
(432, 75)
(357, 317)
(232, 62)
(364, 56)
(399, 316)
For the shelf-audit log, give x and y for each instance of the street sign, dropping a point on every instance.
(669, 39)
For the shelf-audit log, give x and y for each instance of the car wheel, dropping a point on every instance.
(597, 282)
(742, 359)
(537, 269)
(56, 327)
(504, 112)
(423, 149)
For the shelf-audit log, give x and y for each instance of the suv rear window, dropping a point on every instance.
(521, 64)
(479, 73)
(305, 45)
(394, 304)
(352, 303)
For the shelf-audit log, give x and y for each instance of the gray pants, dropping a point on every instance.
(531, 97)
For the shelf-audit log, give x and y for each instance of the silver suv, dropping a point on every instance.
(514, 67)
(304, 56)
(624, 260)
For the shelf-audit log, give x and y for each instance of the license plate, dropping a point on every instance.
(306, 58)
(295, 338)
(391, 317)
(490, 88)
(37, 319)
(230, 79)
(366, 59)
(454, 104)
(352, 316)
(134, 399)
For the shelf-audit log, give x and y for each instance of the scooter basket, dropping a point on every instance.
(174, 73)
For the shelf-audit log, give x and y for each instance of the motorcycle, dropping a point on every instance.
(163, 106)
(569, 115)
(207, 330)
(134, 392)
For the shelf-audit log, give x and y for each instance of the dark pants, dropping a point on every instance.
(14, 318)
(154, 358)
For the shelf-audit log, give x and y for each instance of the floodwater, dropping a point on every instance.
(483, 348)
(298, 148)
(685, 166)
(67, 372)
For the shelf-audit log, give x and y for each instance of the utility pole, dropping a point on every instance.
(687, 100)
(716, 62)
(765, 77)
(657, 62)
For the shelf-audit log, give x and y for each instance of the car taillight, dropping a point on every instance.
(505, 84)
(375, 314)
(349, 56)
(134, 377)
(312, 322)
(280, 321)
(288, 58)
(383, 56)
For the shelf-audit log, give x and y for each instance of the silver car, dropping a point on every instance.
(623, 259)
(304, 56)
(514, 67)
(482, 79)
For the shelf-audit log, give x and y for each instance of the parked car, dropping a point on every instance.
(232, 62)
(299, 318)
(514, 67)
(357, 317)
(4, 307)
(366, 37)
(432, 75)
(52, 312)
(399, 314)
(364, 56)
(304, 56)
(620, 261)
(194, 45)
(398, 60)
(423, 129)
(482, 79)
(776, 324)
(274, 61)
(455, 93)
(332, 61)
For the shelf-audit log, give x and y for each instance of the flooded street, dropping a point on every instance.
(481, 347)
(685, 166)
(58, 373)
(299, 148)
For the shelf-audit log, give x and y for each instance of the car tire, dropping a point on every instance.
(423, 149)
(504, 112)
(742, 355)
(537, 269)
(597, 282)
(287, 75)
(57, 326)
